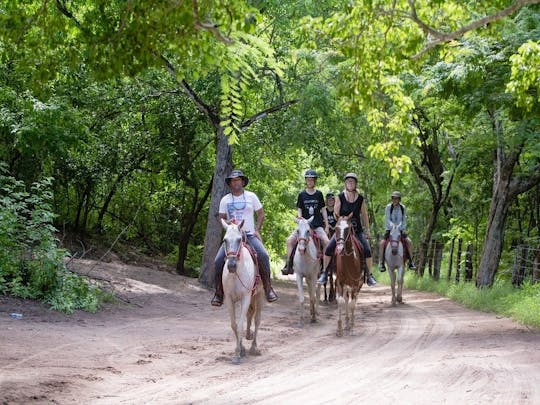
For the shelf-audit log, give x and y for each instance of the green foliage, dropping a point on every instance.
(32, 265)
(525, 79)
(522, 305)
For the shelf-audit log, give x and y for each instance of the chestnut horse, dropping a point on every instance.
(239, 285)
(349, 272)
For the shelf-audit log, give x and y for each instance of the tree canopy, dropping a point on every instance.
(138, 110)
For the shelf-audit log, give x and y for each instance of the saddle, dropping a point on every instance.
(258, 279)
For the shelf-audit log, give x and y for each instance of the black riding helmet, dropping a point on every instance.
(310, 173)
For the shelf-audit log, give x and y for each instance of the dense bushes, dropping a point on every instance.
(31, 265)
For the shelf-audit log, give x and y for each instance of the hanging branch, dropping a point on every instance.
(441, 37)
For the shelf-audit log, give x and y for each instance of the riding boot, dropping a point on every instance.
(217, 301)
(286, 269)
(324, 274)
(271, 295)
(409, 256)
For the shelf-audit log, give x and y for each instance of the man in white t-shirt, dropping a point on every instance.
(241, 204)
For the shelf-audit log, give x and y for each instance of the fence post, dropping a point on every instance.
(468, 263)
(458, 260)
(451, 259)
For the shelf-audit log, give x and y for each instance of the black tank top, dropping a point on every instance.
(354, 207)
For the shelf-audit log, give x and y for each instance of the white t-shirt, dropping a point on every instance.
(240, 208)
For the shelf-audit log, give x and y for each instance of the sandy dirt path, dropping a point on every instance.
(169, 346)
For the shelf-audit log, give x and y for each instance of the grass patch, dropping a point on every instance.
(520, 304)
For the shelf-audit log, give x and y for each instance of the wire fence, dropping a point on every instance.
(526, 262)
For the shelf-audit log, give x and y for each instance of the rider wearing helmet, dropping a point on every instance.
(351, 202)
(396, 213)
(310, 203)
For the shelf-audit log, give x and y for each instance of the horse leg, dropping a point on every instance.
(392, 273)
(352, 306)
(400, 275)
(234, 326)
(341, 307)
(255, 311)
(311, 282)
(241, 350)
(300, 286)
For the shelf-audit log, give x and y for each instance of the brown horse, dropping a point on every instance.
(349, 272)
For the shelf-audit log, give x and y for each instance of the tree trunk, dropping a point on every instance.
(212, 240)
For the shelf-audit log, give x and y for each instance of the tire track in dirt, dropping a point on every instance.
(175, 348)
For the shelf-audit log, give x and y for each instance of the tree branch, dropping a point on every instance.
(201, 105)
(264, 113)
(442, 37)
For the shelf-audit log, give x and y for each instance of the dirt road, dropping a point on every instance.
(169, 346)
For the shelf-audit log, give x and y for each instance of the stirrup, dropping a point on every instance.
(271, 296)
(217, 301)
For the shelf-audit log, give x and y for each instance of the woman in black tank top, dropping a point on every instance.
(351, 202)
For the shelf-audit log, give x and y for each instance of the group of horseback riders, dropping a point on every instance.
(241, 204)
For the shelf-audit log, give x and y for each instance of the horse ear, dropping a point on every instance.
(224, 223)
(241, 224)
(296, 219)
(311, 219)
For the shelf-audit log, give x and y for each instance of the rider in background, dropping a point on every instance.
(396, 213)
(330, 202)
(351, 202)
(310, 203)
(240, 205)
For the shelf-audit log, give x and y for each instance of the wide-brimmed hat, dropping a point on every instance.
(396, 194)
(351, 176)
(236, 173)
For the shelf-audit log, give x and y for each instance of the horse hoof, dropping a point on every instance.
(235, 360)
(313, 320)
(249, 335)
(254, 352)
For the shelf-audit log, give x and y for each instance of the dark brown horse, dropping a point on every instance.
(349, 273)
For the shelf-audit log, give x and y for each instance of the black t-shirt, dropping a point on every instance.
(311, 205)
(354, 207)
(331, 218)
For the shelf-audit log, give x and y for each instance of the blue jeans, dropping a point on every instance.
(263, 258)
(361, 238)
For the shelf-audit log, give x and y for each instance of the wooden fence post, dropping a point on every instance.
(458, 260)
(468, 263)
(451, 258)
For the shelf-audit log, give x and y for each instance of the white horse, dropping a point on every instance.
(306, 264)
(239, 276)
(393, 256)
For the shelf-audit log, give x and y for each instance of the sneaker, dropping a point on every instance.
(412, 266)
(285, 270)
(322, 279)
(382, 268)
(371, 281)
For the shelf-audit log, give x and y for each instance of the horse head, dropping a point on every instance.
(303, 233)
(342, 232)
(395, 237)
(232, 241)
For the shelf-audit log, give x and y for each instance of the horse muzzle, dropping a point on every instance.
(231, 264)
